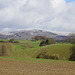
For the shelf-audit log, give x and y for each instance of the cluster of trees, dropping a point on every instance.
(47, 42)
(13, 41)
(37, 38)
(9, 41)
(70, 38)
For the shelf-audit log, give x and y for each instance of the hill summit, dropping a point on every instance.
(29, 34)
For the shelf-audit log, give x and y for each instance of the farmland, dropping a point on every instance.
(9, 66)
(22, 61)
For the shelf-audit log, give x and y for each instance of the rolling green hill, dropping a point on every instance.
(24, 48)
(63, 50)
(29, 49)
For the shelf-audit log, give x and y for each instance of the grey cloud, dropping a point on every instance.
(53, 15)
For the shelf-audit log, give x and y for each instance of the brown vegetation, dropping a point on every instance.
(5, 49)
(39, 38)
(16, 67)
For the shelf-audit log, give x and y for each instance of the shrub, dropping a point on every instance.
(54, 56)
(11, 40)
(2, 41)
(47, 42)
(41, 55)
(42, 43)
(5, 49)
(16, 41)
(72, 56)
(44, 55)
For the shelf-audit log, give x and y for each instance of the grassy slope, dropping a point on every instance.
(62, 49)
(20, 51)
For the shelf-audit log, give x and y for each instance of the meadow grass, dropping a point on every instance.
(33, 60)
(63, 50)
(20, 50)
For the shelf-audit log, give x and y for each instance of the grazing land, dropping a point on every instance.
(63, 50)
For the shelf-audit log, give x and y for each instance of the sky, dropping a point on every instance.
(52, 15)
(70, 0)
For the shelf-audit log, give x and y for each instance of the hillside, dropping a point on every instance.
(29, 49)
(63, 50)
(29, 34)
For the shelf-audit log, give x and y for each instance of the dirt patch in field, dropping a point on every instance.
(12, 67)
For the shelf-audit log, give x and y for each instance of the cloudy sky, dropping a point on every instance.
(53, 15)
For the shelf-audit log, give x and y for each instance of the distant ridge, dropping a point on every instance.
(29, 34)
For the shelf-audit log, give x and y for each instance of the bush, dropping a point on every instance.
(16, 41)
(72, 56)
(41, 55)
(11, 40)
(47, 42)
(42, 43)
(5, 49)
(2, 41)
(54, 56)
(44, 55)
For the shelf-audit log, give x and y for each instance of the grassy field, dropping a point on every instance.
(30, 49)
(21, 49)
(22, 60)
(63, 50)
(24, 48)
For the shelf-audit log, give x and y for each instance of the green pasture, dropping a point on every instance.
(63, 50)
(30, 49)
(20, 49)
(32, 59)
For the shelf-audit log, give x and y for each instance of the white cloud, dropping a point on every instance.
(55, 15)
(58, 5)
(6, 29)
